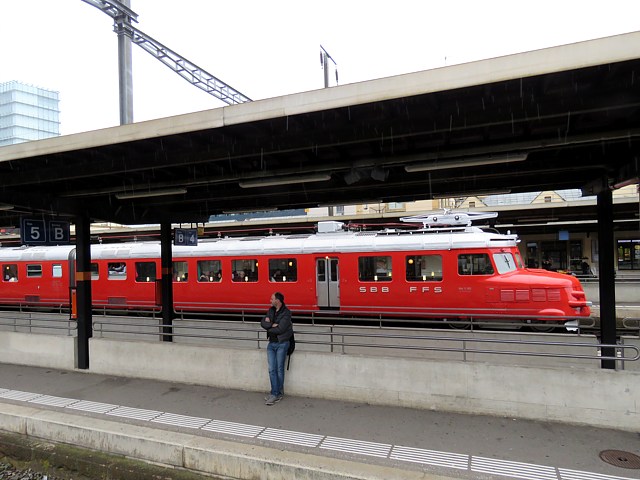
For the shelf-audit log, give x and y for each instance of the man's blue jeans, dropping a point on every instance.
(276, 356)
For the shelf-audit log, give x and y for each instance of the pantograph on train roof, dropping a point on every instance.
(448, 219)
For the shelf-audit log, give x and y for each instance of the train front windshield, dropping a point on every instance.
(504, 262)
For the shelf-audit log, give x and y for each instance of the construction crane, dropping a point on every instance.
(123, 18)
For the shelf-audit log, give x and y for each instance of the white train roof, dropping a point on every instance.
(318, 243)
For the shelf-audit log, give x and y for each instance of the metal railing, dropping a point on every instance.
(242, 329)
(336, 339)
(38, 321)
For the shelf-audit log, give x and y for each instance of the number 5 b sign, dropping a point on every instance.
(44, 232)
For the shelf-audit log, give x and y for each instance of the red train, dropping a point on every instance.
(442, 270)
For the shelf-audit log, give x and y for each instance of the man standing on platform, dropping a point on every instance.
(279, 329)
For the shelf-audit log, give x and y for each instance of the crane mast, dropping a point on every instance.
(123, 19)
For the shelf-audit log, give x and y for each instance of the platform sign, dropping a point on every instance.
(185, 236)
(58, 233)
(35, 231)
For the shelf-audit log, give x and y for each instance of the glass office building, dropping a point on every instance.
(27, 113)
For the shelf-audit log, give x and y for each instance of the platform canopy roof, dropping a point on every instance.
(558, 118)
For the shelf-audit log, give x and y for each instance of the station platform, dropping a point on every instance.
(233, 434)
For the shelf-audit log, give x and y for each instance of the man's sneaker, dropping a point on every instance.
(278, 398)
(266, 397)
(271, 400)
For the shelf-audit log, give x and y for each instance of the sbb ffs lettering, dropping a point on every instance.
(425, 289)
(374, 289)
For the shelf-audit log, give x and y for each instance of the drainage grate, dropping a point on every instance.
(620, 458)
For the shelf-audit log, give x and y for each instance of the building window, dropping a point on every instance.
(629, 254)
(396, 206)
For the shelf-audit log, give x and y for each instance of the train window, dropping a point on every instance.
(374, 269)
(95, 272)
(10, 272)
(424, 268)
(333, 270)
(180, 272)
(474, 264)
(504, 262)
(283, 270)
(209, 270)
(519, 261)
(322, 270)
(56, 270)
(244, 270)
(145, 271)
(117, 270)
(34, 271)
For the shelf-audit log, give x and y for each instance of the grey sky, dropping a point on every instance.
(266, 49)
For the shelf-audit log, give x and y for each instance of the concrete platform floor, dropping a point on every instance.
(231, 433)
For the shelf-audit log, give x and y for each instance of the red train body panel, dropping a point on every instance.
(460, 272)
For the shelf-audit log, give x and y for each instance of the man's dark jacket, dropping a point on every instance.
(282, 317)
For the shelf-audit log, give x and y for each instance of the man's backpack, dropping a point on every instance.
(292, 344)
(290, 350)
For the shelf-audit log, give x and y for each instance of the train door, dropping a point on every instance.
(327, 283)
(72, 268)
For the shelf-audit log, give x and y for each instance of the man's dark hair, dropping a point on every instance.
(279, 296)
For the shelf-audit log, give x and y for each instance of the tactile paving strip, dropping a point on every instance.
(181, 420)
(135, 413)
(232, 428)
(288, 436)
(18, 395)
(431, 457)
(93, 407)
(53, 401)
(356, 446)
(505, 468)
(568, 474)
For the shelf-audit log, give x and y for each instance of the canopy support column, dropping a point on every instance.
(83, 290)
(606, 270)
(166, 263)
